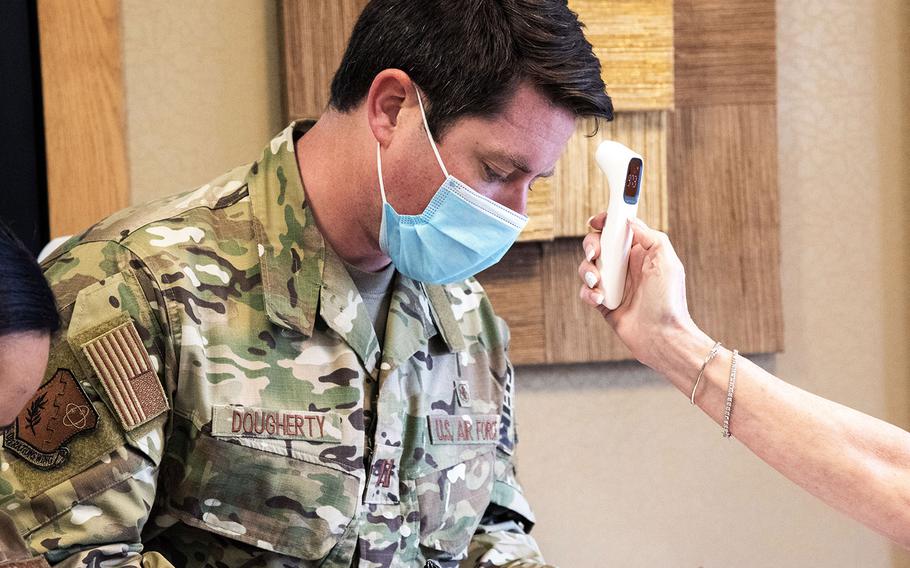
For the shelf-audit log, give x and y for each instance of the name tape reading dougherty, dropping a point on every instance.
(255, 422)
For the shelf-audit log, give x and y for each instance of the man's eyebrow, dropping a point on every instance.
(518, 163)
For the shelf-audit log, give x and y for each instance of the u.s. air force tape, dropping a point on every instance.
(463, 428)
(125, 370)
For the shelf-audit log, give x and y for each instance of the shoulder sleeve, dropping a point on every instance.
(78, 470)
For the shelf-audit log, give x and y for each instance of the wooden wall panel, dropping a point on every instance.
(578, 188)
(516, 289)
(633, 38)
(535, 289)
(725, 221)
(575, 332)
(724, 209)
(646, 133)
(84, 111)
(722, 195)
(571, 181)
(541, 212)
(725, 52)
(634, 41)
(315, 35)
(711, 177)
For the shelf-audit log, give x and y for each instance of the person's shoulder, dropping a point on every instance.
(174, 222)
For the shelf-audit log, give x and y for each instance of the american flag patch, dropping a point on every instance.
(125, 369)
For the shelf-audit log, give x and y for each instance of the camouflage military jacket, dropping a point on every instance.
(218, 397)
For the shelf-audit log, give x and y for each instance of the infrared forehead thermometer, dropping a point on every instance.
(624, 169)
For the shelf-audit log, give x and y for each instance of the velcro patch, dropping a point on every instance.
(58, 411)
(230, 421)
(125, 369)
(463, 428)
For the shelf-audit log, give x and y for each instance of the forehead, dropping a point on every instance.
(529, 126)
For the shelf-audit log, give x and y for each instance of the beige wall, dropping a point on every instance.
(621, 470)
(202, 89)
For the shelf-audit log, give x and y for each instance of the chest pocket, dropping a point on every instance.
(294, 507)
(267, 447)
(461, 429)
(452, 502)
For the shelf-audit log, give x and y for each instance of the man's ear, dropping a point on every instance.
(390, 91)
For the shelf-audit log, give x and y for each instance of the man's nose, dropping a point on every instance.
(515, 197)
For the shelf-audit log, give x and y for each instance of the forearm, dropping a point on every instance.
(856, 463)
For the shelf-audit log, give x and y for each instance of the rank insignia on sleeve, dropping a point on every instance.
(125, 370)
(58, 411)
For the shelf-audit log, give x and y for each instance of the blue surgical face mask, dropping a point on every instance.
(459, 234)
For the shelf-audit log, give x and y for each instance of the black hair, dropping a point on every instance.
(468, 56)
(26, 301)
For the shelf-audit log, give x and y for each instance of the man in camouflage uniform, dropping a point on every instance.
(234, 386)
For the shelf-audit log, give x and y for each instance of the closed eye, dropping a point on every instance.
(492, 176)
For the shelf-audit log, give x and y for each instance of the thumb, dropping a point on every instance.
(642, 234)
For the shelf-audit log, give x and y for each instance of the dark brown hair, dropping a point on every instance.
(469, 55)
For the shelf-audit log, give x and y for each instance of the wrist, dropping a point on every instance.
(680, 353)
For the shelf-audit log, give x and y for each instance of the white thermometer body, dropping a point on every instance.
(624, 170)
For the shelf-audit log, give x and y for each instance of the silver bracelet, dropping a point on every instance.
(728, 408)
(711, 355)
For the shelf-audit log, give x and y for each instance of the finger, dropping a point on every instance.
(629, 291)
(669, 256)
(609, 315)
(636, 260)
(597, 222)
(590, 297)
(591, 244)
(589, 274)
(643, 234)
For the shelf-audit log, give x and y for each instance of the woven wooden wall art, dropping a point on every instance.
(722, 163)
(722, 197)
(560, 206)
(633, 37)
(694, 87)
(634, 41)
(535, 288)
(725, 52)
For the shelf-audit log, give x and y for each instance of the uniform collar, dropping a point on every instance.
(291, 248)
(293, 257)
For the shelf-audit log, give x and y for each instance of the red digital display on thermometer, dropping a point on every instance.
(633, 181)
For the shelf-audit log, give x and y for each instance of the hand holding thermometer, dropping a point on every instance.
(624, 170)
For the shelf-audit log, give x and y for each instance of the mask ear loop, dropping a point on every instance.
(379, 170)
(426, 126)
